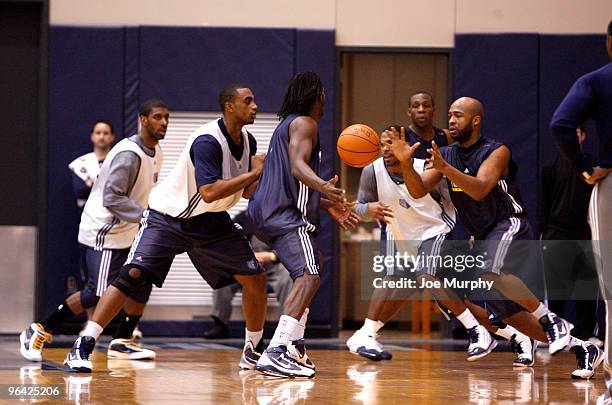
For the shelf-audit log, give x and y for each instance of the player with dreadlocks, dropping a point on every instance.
(285, 211)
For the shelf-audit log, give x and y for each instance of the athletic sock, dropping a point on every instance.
(467, 319)
(92, 329)
(369, 327)
(284, 331)
(379, 325)
(57, 317)
(506, 332)
(299, 330)
(126, 326)
(253, 337)
(541, 311)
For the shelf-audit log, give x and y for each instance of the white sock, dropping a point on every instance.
(541, 311)
(467, 319)
(298, 333)
(254, 337)
(284, 331)
(379, 325)
(506, 332)
(369, 327)
(92, 329)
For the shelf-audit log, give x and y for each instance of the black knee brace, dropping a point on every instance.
(126, 283)
(89, 299)
(142, 293)
(500, 306)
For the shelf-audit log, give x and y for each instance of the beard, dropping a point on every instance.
(464, 134)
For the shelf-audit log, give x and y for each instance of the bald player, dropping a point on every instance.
(591, 98)
(481, 178)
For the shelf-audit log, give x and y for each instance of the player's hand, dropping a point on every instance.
(332, 192)
(265, 258)
(380, 211)
(599, 173)
(257, 163)
(346, 218)
(436, 160)
(399, 146)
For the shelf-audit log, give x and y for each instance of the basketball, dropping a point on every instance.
(358, 145)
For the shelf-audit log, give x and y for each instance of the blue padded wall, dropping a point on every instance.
(85, 84)
(501, 70)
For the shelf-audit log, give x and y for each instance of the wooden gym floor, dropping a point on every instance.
(199, 372)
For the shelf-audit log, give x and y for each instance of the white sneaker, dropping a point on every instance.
(365, 345)
(127, 349)
(78, 358)
(32, 340)
(276, 362)
(588, 357)
(525, 347)
(297, 351)
(481, 343)
(557, 331)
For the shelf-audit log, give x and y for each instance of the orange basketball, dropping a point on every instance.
(358, 145)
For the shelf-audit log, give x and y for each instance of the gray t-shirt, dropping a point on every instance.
(122, 176)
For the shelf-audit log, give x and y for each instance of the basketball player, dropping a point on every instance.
(108, 226)
(591, 98)
(285, 209)
(432, 217)
(188, 213)
(481, 178)
(85, 168)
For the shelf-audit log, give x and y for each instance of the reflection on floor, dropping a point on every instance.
(196, 371)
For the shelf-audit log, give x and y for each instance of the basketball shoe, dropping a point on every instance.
(525, 347)
(250, 355)
(127, 349)
(78, 357)
(588, 357)
(366, 346)
(32, 340)
(275, 361)
(557, 331)
(297, 351)
(481, 343)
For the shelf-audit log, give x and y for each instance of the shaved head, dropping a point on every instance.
(469, 105)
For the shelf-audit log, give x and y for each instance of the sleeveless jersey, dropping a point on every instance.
(177, 195)
(504, 201)
(99, 228)
(280, 202)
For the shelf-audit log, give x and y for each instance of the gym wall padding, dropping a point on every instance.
(502, 72)
(107, 72)
(85, 84)
(563, 59)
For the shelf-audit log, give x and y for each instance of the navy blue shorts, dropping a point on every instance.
(217, 248)
(102, 267)
(298, 252)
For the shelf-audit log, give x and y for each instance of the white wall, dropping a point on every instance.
(400, 23)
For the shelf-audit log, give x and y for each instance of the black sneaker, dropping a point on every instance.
(250, 355)
(276, 362)
(588, 357)
(525, 347)
(78, 357)
(218, 331)
(557, 332)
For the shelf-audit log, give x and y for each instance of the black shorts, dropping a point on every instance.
(217, 248)
(298, 252)
(101, 267)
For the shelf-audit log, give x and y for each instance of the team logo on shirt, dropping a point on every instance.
(155, 176)
(455, 187)
(404, 203)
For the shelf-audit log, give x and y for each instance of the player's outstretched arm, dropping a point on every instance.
(302, 138)
(418, 185)
(490, 172)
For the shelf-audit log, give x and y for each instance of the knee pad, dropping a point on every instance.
(142, 293)
(89, 299)
(500, 307)
(126, 283)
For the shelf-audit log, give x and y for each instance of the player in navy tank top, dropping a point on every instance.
(481, 175)
(284, 210)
